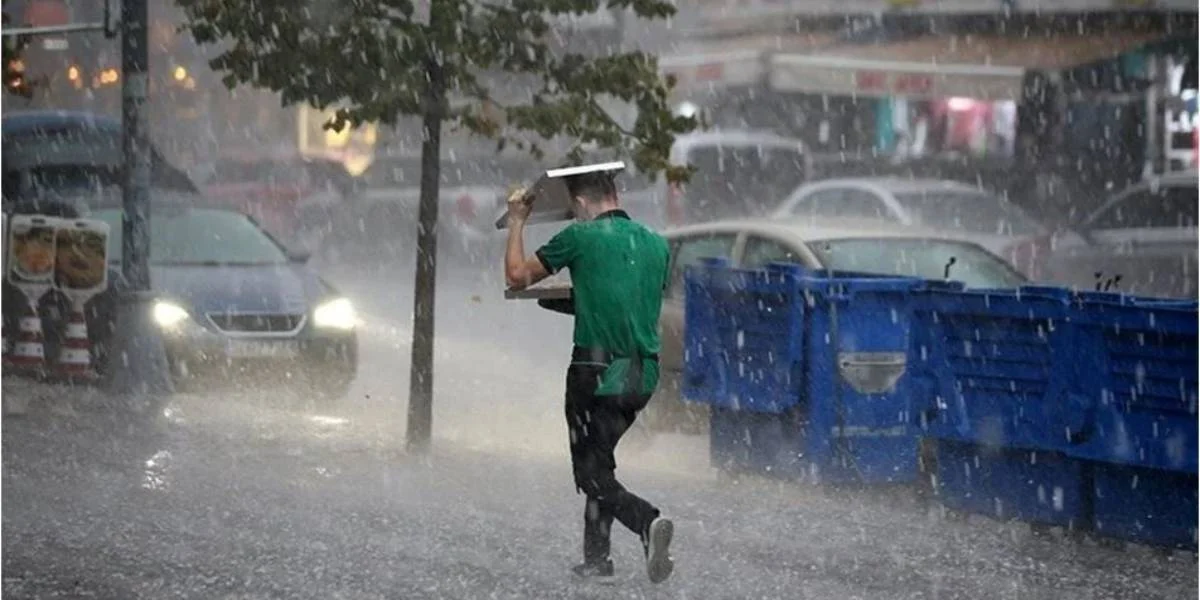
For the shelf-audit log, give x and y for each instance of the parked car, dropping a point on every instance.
(300, 199)
(233, 301)
(1146, 235)
(858, 246)
(942, 205)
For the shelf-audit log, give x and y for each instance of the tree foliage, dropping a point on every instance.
(374, 60)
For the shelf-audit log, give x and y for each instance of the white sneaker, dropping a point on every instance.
(658, 550)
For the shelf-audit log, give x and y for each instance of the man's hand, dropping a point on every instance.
(520, 272)
(520, 204)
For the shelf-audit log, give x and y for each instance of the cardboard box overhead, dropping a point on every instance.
(551, 200)
(549, 292)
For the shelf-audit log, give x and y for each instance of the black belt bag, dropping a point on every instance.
(598, 355)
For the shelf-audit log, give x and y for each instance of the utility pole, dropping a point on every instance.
(138, 366)
(135, 144)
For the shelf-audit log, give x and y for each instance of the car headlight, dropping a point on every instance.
(335, 314)
(168, 314)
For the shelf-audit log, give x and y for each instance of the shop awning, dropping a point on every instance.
(981, 67)
(734, 62)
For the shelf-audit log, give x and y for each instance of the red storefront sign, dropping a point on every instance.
(709, 72)
(897, 83)
(912, 83)
(46, 13)
(870, 81)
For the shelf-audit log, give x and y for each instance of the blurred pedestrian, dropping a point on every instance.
(618, 273)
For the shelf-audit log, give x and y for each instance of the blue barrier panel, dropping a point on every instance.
(702, 381)
(860, 421)
(1145, 431)
(804, 371)
(1000, 368)
(743, 339)
(1008, 483)
(1144, 382)
(1148, 506)
(996, 385)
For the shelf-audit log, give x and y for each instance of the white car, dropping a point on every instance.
(739, 173)
(946, 206)
(865, 247)
(1141, 241)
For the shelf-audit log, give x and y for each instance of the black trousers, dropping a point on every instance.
(595, 425)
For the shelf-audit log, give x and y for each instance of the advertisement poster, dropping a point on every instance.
(81, 256)
(31, 250)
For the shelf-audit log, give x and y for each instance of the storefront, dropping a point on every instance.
(1180, 117)
(728, 81)
(946, 94)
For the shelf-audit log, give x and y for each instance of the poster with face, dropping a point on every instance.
(31, 250)
(81, 256)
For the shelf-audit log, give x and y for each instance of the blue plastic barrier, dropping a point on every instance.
(1149, 506)
(995, 377)
(1144, 441)
(1008, 483)
(743, 340)
(1000, 368)
(804, 371)
(1144, 380)
(1040, 388)
(1043, 404)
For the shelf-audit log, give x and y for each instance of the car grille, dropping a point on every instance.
(256, 323)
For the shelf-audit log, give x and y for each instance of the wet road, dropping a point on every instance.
(249, 494)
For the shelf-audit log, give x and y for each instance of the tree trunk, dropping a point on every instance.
(420, 387)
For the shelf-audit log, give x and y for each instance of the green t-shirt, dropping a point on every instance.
(618, 273)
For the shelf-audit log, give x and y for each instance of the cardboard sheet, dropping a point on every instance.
(551, 201)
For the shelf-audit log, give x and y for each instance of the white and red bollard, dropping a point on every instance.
(28, 354)
(75, 355)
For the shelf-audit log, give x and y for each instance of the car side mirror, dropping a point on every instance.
(299, 256)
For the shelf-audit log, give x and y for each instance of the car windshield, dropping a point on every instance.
(739, 181)
(406, 172)
(918, 257)
(976, 212)
(198, 236)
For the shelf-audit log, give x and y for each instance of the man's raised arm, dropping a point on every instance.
(520, 271)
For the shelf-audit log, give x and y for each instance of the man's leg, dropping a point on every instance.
(596, 424)
(595, 473)
(597, 520)
(597, 534)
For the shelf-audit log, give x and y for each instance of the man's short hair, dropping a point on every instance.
(593, 187)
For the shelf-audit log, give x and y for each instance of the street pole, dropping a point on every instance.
(138, 365)
(135, 144)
